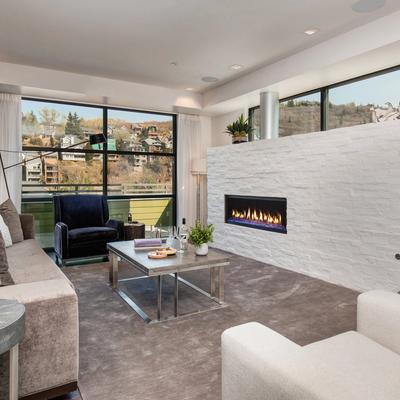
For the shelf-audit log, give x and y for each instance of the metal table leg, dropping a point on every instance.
(176, 294)
(114, 270)
(216, 289)
(221, 284)
(159, 297)
(13, 383)
(213, 281)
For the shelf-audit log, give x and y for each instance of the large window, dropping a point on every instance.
(371, 98)
(255, 123)
(300, 115)
(368, 100)
(136, 168)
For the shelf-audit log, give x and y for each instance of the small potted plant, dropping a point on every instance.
(239, 130)
(200, 236)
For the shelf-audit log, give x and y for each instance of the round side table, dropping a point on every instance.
(12, 330)
(134, 230)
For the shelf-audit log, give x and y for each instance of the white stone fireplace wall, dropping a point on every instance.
(343, 202)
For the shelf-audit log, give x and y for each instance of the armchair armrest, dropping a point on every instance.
(118, 225)
(28, 225)
(61, 240)
(260, 364)
(378, 317)
(49, 350)
(248, 354)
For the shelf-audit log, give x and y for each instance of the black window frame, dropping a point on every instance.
(324, 94)
(105, 152)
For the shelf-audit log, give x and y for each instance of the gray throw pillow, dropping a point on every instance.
(11, 218)
(5, 277)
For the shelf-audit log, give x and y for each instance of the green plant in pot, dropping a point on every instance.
(199, 236)
(239, 130)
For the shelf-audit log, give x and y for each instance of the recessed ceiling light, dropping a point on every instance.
(311, 31)
(236, 66)
(209, 79)
(366, 6)
(189, 88)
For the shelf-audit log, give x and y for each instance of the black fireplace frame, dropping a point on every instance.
(263, 198)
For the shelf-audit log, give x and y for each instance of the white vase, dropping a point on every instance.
(202, 250)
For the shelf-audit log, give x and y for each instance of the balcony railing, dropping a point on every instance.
(153, 212)
(36, 190)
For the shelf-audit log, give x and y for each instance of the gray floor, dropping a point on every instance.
(124, 358)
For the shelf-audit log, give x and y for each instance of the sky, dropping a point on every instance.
(377, 90)
(91, 112)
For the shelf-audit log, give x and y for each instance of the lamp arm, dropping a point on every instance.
(43, 155)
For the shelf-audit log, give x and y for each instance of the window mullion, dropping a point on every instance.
(105, 151)
(324, 108)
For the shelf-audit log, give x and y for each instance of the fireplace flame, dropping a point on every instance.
(258, 216)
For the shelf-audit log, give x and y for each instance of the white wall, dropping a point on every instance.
(219, 124)
(342, 189)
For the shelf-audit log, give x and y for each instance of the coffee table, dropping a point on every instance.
(215, 261)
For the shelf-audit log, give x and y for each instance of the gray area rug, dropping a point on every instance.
(122, 357)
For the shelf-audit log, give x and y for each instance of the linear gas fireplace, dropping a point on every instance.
(266, 213)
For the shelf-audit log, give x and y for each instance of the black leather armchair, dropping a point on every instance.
(82, 226)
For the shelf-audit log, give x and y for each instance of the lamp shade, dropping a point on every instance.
(199, 166)
(97, 138)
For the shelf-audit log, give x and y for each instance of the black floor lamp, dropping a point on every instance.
(93, 139)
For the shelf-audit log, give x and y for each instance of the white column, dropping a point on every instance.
(269, 113)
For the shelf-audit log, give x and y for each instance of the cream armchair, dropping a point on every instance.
(260, 364)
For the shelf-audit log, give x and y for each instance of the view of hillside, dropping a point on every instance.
(49, 128)
(303, 116)
(128, 174)
(341, 115)
(299, 117)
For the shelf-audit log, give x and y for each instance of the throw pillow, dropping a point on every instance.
(11, 218)
(5, 233)
(5, 277)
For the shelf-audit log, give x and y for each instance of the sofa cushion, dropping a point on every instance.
(27, 262)
(363, 360)
(28, 225)
(11, 218)
(92, 234)
(5, 277)
(5, 232)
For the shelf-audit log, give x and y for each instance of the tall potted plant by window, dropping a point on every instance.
(239, 130)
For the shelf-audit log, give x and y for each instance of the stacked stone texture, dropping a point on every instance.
(343, 195)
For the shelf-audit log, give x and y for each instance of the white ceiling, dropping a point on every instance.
(136, 40)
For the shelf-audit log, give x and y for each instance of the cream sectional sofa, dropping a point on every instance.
(260, 364)
(48, 358)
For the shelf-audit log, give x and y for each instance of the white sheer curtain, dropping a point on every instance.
(11, 139)
(190, 146)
